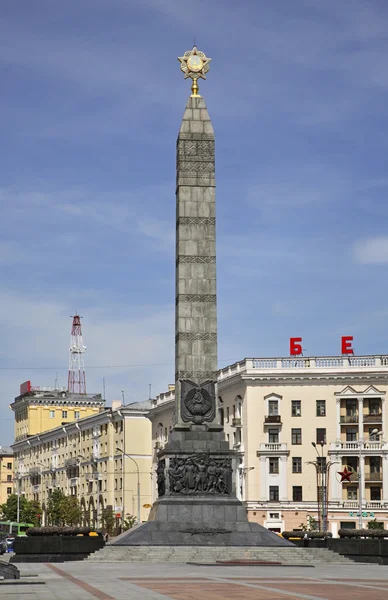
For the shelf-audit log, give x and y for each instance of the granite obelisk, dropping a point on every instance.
(197, 504)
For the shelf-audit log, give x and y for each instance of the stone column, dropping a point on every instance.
(335, 487)
(338, 416)
(263, 479)
(360, 418)
(385, 478)
(196, 310)
(283, 479)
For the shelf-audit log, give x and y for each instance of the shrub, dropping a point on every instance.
(363, 533)
(56, 530)
(299, 534)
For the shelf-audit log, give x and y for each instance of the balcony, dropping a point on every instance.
(272, 419)
(74, 481)
(34, 471)
(36, 489)
(273, 449)
(373, 418)
(376, 476)
(71, 462)
(236, 422)
(353, 448)
(89, 477)
(344, 419)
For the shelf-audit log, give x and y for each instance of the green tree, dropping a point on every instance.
(54, 514)
(108, 521)
(28, 510)
(129, 522)
(70, 510)
(375, 524)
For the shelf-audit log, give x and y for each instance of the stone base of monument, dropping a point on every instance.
(200, 521)
(197, 504)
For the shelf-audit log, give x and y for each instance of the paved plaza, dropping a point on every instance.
(147, 581)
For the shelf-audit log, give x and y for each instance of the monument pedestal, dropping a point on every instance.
(197, 504)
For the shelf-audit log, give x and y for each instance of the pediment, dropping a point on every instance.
(372, 391)
(348, 391)
(273, 396)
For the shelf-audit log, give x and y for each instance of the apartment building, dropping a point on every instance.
(275, 409)
(39, 409)
(6, 473)
(104, 459)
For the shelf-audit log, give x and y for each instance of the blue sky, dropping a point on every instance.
(91, 103)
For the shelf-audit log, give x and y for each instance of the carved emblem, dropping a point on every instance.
(198, 402)
(200, 474)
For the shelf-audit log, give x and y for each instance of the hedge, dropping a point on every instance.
(56, 530)
(299, 534)
(363, 533)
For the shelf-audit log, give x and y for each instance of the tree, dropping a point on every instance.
(375, 524)
(70, 510)
(28, 510)
(54, 515)
(108, 520)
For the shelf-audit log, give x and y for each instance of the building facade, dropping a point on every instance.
(275, 409)
(104, 459)
(39, 409)
(6, 473)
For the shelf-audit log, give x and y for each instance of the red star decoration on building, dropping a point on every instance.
(345, 474)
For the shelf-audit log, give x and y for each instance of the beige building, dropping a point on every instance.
(6, 473)
(104, 459)
(273, 409)
(40, 409)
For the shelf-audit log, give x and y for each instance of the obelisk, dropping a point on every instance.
(197, 504)
(196, 307)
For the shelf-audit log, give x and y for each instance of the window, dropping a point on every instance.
(352, 493)
(52, 414)
(9, 490)
(351, 462)
(321, 461)
(321, 436)
(274, 516)
(374, 406)
(9, 477)
(348, 525)
(297, 464)
(273, 408)
(9, 465)
(351, 434)
(375, 494)
(274, 465)
(273, 436)
(296, 436)
(321, 408)
(297, 495)
(296, 408)
(64, 414)
(374, 462)
(351, 408)
(274, 493)
(76, 414)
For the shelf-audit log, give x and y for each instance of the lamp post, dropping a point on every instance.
(374, 432)
(138, 483)
(322, 467)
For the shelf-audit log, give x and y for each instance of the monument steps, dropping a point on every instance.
(212, 554)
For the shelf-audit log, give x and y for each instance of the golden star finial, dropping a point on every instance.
(194, 64)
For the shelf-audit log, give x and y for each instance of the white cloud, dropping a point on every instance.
(372, 251)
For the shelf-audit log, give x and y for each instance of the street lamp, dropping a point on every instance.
(374, 432)
(322, 467)
(138, 483)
